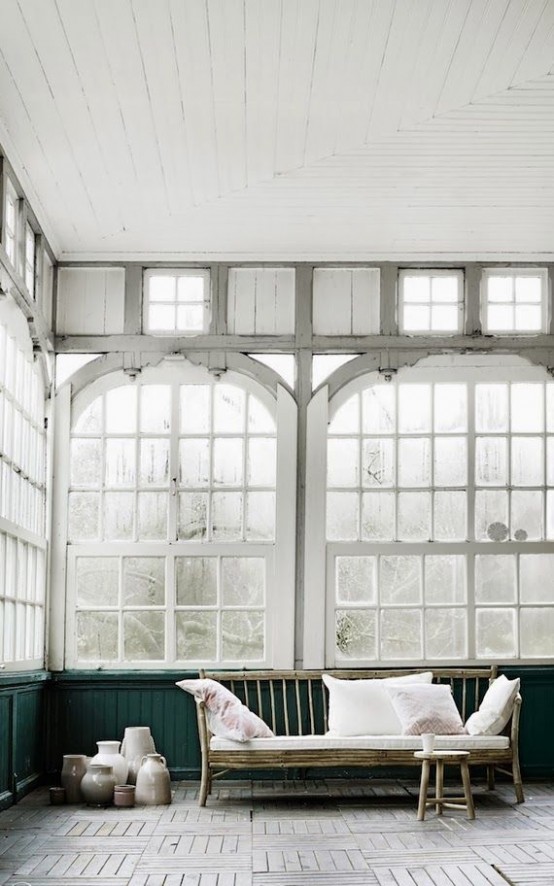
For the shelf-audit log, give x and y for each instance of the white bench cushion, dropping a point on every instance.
(363, 742)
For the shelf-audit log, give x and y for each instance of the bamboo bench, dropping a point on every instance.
(294, 704)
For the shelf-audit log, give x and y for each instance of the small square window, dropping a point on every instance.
(176, 301)
(514, 301)
(431, 302)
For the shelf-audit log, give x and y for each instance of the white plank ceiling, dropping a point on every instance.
(283, 129)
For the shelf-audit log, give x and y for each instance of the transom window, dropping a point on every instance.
(10, 220)
(171, 524)
(515, 301)
(176, 301)
(30, 246)
(440, 519)
(431, 301)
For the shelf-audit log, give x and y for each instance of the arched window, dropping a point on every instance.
(172, 521)
(440, 516)
(22, 495)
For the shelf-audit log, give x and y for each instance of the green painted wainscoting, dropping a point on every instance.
(85, 706)
(22, 733)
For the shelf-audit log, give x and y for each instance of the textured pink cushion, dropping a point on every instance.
(426, 708)
(227, 716)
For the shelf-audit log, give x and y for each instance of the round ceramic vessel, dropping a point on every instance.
(124, 795)
(108, 755)
(137, 742)
(153, 782)
(98, 784)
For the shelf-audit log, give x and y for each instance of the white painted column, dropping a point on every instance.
(60, 487)
(283, 608)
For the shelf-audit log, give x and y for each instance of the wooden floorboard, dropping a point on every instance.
(275, 833)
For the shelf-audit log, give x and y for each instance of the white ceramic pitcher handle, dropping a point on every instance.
(142, 759)
(163, 761)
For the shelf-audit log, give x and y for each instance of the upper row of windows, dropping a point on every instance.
(347, 301)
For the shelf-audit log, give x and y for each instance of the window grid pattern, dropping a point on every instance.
(431, 302)
(177, 301)
(10, 221)
(22, 576)
(30, 260)
(192, 465)
(470, 468)
(515, 301)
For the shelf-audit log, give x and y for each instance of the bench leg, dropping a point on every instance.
(205, 782)
(467, 789)
(518, 784)
(439, 787)
(423, 788)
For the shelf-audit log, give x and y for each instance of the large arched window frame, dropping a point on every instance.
(154, 583)
(446, 552)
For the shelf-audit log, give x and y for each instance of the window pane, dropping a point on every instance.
(416, 318)
(152, 515)
(378, 409)
(195, 409)
(445, 579)
(450, 461)
(537, 633)
(450, 517)
(190, 318)
(536, 574)
(416, 288)
(528, 289)
(154, 462)
(228, 461)
(378, 521)
(347, 418)
(118, 515)
(445, 633)
(414, 408)
(261, 462)
(496, 633)
(355, 634)
(196, 635)
(444, 289)
(120, 462)
(491, 408)
(161, 288)
(500, 289)
(90, 420)
(527, 407)
(356, 579)
(400, 580)
(193, 515)
(527, 516)
(190, 288)
(196, 579)
(491, 456)
(260, 515)
(342, 515)
(491, 515)
(161, 318)
(242, 581)
(450, 414)
(226, 515)
(401, 634)
(229, 409)
(414, 462)
(121, 410)
(194, 462)
(242, 635)
(83, 516)
(155, 408)
(143, 581)
(500, 318)
(343, 462)
(527, 461)
(97, 580)
(495, 579)
(143, 636)
(260, 420)
(378, 462)
(414, 516)
(445, 318)
(528, 318)
(86, 462)
(97, 636)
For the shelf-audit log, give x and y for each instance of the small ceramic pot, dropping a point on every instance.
(57, 796)
(124, 795)
(98, 785)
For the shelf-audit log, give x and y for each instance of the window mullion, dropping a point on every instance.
(174, 484)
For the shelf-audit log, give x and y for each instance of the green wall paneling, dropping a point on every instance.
(86, 707)
(22, 733)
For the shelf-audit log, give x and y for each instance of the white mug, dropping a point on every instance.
(428, 742)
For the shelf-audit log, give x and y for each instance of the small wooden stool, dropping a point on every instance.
(439, 801)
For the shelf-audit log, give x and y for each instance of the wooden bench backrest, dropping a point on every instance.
(296, 702)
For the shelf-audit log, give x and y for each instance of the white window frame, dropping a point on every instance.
(431, 273)
(513, 273)
(176, 274)
(279, 554)
(30, 258)
(10, 232)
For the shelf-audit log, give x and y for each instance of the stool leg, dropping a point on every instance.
(423, 788)
(439, 790)
(467, 789)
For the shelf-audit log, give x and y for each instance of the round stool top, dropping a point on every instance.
(441, 755)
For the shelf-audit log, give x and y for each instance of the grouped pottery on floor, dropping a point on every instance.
(97, 785)
(73, 769)
(153, 782)
(137, 742)
(108, 755)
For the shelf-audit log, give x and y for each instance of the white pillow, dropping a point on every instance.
(496, 708)
(227, 716)
(363, 707)
(423, 709)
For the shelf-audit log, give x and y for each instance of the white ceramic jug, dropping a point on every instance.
(97, 785)
(137, 742)
(153, 782)
(108, 755)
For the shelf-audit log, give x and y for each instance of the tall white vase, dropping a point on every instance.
(137, 742)
(108, 755)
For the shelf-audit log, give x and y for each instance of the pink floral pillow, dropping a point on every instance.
(227, 716)
(424, 707)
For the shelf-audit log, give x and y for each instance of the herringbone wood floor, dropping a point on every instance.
(284, 834)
